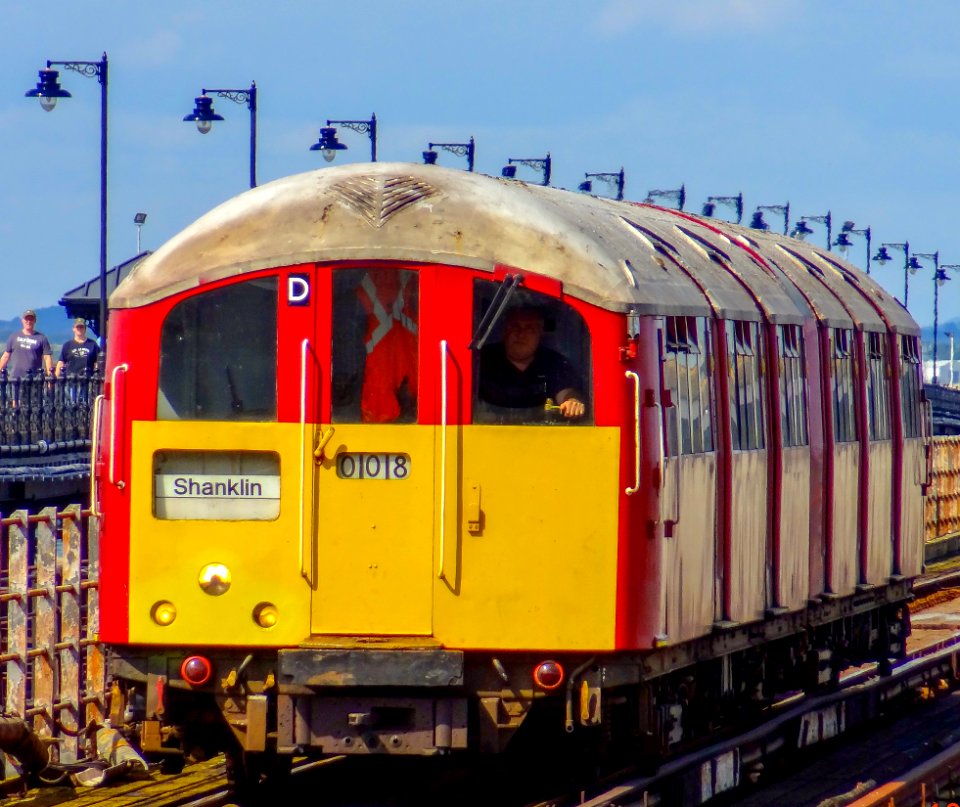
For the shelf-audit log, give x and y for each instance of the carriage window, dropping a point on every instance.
(375, 324)
(686, 375)
(746, 385)
(844, 374)
(878, 387)
(218, 355)
(793, 393)
(910, 385)
(534, 368)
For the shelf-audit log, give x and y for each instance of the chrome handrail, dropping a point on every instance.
(441, 574)
(636, 433)
(114, 396)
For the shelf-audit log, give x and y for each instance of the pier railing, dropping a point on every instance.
(39, 412)
(52, 670)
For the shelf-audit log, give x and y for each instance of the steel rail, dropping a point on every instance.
(918, 785)
(925, 664)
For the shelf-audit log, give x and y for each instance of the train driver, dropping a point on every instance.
(520, 373)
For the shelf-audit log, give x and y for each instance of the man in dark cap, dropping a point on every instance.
(78, 356)
(27, 350)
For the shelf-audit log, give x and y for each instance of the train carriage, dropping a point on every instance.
(325, 520)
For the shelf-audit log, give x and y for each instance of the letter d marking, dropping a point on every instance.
(298, 290)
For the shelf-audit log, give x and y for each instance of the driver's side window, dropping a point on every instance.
(531, 359)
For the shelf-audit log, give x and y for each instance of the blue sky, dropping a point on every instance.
(828, 104)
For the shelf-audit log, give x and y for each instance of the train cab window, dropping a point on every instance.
(910, 385)
(687, 359)
(793, 392)
(218, 355)
(745, 358)
(534, 366)
(878, 387)
(843, 381)
(374, 351)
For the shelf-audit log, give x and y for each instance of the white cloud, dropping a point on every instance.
(693, 17)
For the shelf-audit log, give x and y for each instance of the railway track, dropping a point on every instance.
(203, 784)
(715, 773)
(799, 725)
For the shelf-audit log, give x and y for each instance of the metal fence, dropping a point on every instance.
(52, 669)
(943, 494)
(40, 410)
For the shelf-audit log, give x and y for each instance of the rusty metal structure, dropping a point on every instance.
(52, 670)
(943, 495)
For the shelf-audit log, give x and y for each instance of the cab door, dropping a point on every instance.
(372, 548)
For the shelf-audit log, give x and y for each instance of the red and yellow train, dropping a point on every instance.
(325, 532)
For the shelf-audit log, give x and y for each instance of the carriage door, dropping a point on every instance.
(689, 502)
(374, 483)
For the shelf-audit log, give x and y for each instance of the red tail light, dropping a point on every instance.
(548, 674)
(196, 670)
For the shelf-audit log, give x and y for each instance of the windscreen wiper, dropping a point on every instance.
(493, 313)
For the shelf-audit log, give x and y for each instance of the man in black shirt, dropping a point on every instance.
(79, 355)
(519, 373)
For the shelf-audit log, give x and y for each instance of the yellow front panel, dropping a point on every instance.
(542, 570)
(374, 537)
(262, 556)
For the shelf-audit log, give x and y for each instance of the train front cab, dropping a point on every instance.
(438, 555)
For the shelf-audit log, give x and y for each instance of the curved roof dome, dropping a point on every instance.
(617, 255)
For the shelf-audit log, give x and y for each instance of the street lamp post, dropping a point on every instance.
(679, 196)
(460, 149)
(328, 144)
(204, 116)
(950, 335)
(802, 229)
(843, 242)
(614, 180)
(910, 264)
(939, 278)
(544, 164)
(757, 222)
(735, 202)
(48, 91)
(139, 219)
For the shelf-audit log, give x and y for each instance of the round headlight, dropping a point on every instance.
(163, 613)
(266, 614)
(214, 579)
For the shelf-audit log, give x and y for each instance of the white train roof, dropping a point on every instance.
(620, 256)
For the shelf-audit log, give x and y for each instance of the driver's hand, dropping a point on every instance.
(572, 408)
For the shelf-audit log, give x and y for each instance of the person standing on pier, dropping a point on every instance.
(78, 356)
(27, 350)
